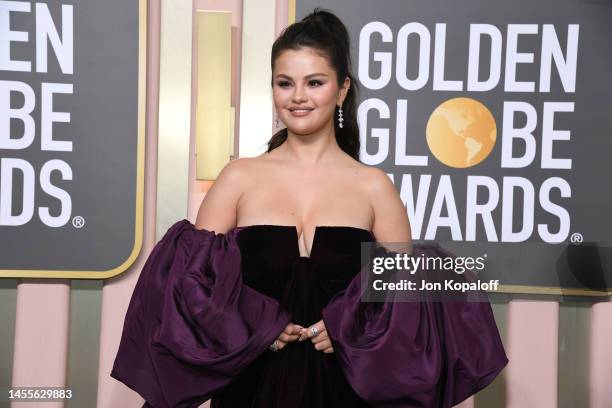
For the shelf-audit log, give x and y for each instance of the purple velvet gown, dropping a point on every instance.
(207, 306)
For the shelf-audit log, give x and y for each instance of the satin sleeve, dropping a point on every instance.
(191, 325)
(429, 354)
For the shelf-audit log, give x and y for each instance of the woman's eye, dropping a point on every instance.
(312, 83)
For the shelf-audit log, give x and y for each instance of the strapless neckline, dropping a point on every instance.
(294, 230)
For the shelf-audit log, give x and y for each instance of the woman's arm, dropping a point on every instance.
(218, 209)
(391, 222)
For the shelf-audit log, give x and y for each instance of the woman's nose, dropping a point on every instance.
(299, 94)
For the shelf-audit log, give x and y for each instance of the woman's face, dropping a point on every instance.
(305, 90)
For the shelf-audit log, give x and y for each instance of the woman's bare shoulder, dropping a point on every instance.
(237, 168)
(370, 177)
(218, 208)
(391, 222)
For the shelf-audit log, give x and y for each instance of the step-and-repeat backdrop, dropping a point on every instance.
(493, 120)
(71, 137)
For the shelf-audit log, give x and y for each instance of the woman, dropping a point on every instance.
(261, 299)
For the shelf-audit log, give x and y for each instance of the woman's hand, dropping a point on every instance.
(320, 340)
(289, 334)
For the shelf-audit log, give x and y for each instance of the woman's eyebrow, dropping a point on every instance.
(307, 76)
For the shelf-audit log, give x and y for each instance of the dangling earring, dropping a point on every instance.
(340, 118)
(277, 123)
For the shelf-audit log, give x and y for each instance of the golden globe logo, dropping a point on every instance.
(462, 132)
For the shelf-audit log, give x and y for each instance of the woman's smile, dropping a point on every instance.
(300, 112)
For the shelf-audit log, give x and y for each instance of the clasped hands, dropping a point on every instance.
(317, 333)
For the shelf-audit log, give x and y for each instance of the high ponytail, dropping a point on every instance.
(323, 31)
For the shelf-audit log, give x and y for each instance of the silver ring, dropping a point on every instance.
(274, 346)
(314, 331)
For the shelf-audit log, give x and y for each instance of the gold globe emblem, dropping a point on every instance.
(461, 132)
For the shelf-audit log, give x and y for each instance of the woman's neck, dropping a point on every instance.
(315, 148)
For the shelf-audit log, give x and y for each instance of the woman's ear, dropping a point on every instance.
(344, 90)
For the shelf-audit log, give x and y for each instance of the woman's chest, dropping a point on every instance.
(305, 206)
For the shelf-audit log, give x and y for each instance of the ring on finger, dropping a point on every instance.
(314, 330)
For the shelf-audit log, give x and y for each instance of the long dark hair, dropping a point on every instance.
(323, 31)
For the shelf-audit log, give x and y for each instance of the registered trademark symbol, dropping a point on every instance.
(78, 222)
(576, 238)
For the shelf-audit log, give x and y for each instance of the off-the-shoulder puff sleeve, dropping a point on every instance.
(429, 354)
(191, 324)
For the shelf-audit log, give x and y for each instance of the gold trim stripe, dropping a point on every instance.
(292, 11)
